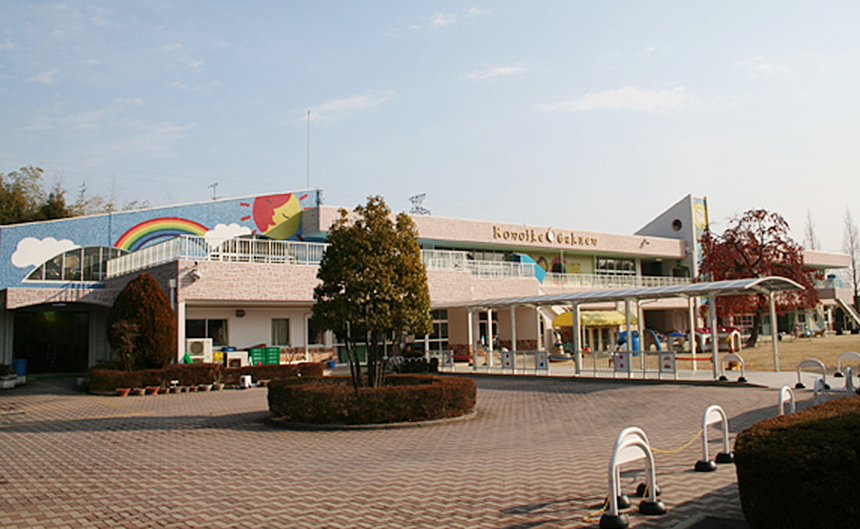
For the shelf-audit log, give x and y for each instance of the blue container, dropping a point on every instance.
(19, 366)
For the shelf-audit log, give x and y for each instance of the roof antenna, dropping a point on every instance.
(214, 188)
(417, 200)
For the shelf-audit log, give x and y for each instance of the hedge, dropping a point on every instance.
(803, 469)
(405, 398)
(104, 380)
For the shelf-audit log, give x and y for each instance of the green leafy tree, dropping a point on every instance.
(757, 244)
(21, 195)
(373, 286)
(145, 308)
(24, 199)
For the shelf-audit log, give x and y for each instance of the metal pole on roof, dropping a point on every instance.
(309, 150)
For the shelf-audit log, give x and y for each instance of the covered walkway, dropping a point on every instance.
(632, 297)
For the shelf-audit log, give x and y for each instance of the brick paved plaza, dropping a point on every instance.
(535, 455)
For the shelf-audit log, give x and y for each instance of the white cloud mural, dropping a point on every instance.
(33, 252)
(225, 231)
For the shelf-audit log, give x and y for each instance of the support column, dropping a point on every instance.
(470, 337)
(490, 337)
(774, 330)
(640, 317)
(629, 333)
(715, 342)
(538, 333)
(575, 344)
(692, 336)
(180, 330)
(514, 338)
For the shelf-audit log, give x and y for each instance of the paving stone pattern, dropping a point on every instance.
(535, 456)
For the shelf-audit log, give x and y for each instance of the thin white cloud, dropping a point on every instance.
(437, 20)
(350, 104)
(46, 77)
(183, 55)
(440, 19)
(8, 45)
(150, 139)
(757, 66)
(628, 98)
(496, 71)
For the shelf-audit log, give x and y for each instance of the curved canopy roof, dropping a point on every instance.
(759, 285)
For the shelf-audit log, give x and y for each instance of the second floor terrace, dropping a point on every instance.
(291, 253)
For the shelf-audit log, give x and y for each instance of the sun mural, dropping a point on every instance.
(277, 216)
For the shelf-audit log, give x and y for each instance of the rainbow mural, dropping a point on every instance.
(144, 233)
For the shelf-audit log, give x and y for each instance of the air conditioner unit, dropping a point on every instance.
(199, 349)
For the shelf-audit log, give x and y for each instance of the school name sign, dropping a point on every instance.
(530, 235)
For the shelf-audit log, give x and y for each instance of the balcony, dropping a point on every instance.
(601, 281)
(266, 251)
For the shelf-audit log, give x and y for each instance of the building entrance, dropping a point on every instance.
(52, 341)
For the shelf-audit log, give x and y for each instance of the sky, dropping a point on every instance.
(584, 115)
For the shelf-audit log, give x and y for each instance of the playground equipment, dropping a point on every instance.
(732, 357)
(713, 415)
(786, 395)
(631, 445)
(850, 355)
(811, 362)
(729, 339)
(621, 339)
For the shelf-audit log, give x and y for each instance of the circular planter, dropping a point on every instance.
(151, 390)
(138, 391)
(217, 386)
(163, 390)
(204, 387)
(192, 389)
(122, 392)
(174, 389)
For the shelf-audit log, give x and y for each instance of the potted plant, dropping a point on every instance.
(7, 377)
(122, 392)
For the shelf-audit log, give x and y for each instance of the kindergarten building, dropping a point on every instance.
(240, 274)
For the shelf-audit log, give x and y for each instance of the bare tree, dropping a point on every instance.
(851, 246)
(810, 241)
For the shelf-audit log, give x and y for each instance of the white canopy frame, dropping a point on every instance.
(767, 286)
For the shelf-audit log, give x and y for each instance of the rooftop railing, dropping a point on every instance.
(611, 281)
(237, 250)
(267, 251)
(454, 260)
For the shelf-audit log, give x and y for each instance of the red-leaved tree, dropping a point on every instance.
(757, 244)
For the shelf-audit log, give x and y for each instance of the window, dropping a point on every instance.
(206, 328)
(281, 331)
(606, 266)
(80, 264)
(438, 341)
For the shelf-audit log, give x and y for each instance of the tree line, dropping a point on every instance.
(24, 198)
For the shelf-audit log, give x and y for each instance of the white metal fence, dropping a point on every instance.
(217, 249)
(611, 281)
(195, 248)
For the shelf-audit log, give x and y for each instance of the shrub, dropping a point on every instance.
(802, 470)
(105, 378)
(142, 303)
(405, 398)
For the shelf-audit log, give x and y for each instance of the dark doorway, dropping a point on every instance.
(52, 341)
